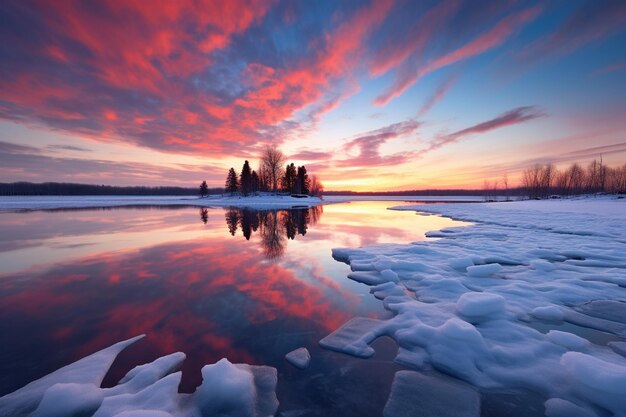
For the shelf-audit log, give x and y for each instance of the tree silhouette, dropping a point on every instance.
(204, 215)
(245, 184)
(232, 183)
(289, 178)
(232, 219)
(256, 184)
(272, 162)
(204, 189)
(302, 181)
(316, 187)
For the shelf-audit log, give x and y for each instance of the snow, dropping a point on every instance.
(266, 201)
(300, 358)
(147, 390)
(262, 201)
(464, 303)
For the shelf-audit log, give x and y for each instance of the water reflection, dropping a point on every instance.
(204, 215)
(73, 282)
(274, 226)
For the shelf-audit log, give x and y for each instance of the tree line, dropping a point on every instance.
(273, 175)
(541, 181)
(57, 188)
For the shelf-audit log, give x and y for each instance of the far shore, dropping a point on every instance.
(265, 201)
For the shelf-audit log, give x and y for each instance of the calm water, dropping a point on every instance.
(247, 285)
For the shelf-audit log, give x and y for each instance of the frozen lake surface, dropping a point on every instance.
(247, 285)
(521, 312)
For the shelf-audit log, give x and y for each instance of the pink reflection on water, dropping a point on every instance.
(183, 279)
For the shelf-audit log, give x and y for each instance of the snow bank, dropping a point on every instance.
(465, 303)
(147, 390)
(60, 202)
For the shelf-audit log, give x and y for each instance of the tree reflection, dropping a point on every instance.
(204, 215)
(275, 227)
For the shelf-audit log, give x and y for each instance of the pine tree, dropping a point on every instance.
(246, 179)
(302, 181)
(289, 179)
(256, 182)
(232, 183)
(204, 189)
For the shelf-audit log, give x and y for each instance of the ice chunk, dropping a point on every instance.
(601, 382)
(550, 313)
(605, 309)
(558, 407)
(143, 376)
(480, 306)
(353, 337)
(455, 347)
(160, 396)
(542, 265)
(483, 271)
(235, 390)
(568, 340)
(147, 390)
(416, 394)
(89, 370)
(389, 275)
(461, 263)
(299, 358)
(366, 277)
(69, 399)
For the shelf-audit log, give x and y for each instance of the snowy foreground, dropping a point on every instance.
(465, 304)
(73, 202)
(148, 390)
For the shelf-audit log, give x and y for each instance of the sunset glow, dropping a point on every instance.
(369, 95)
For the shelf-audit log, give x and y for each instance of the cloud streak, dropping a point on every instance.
(509, 118)
(491, 39)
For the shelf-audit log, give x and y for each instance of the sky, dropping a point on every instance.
(368, 95)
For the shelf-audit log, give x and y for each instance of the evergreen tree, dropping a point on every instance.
(289, 178)
(232, 183)
(246, 179)
(256, 182)
(204, 189)
(302, 181)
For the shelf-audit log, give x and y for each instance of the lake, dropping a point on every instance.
(243, 284)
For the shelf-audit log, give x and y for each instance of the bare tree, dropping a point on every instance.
(317, 188)
(505, 184)
(272, 162)
(576, 179)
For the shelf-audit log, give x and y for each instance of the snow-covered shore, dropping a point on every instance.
(526, 298)
(68, 202)
(267, 201)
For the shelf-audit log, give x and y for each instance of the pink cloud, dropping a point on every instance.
(509, 118)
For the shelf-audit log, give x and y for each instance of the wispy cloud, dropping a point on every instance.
(591, 22)
(617, 66)
(437, 96)
(509, 118)
(493, 38)
(369, 145)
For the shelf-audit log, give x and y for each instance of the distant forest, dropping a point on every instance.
(60, 188)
